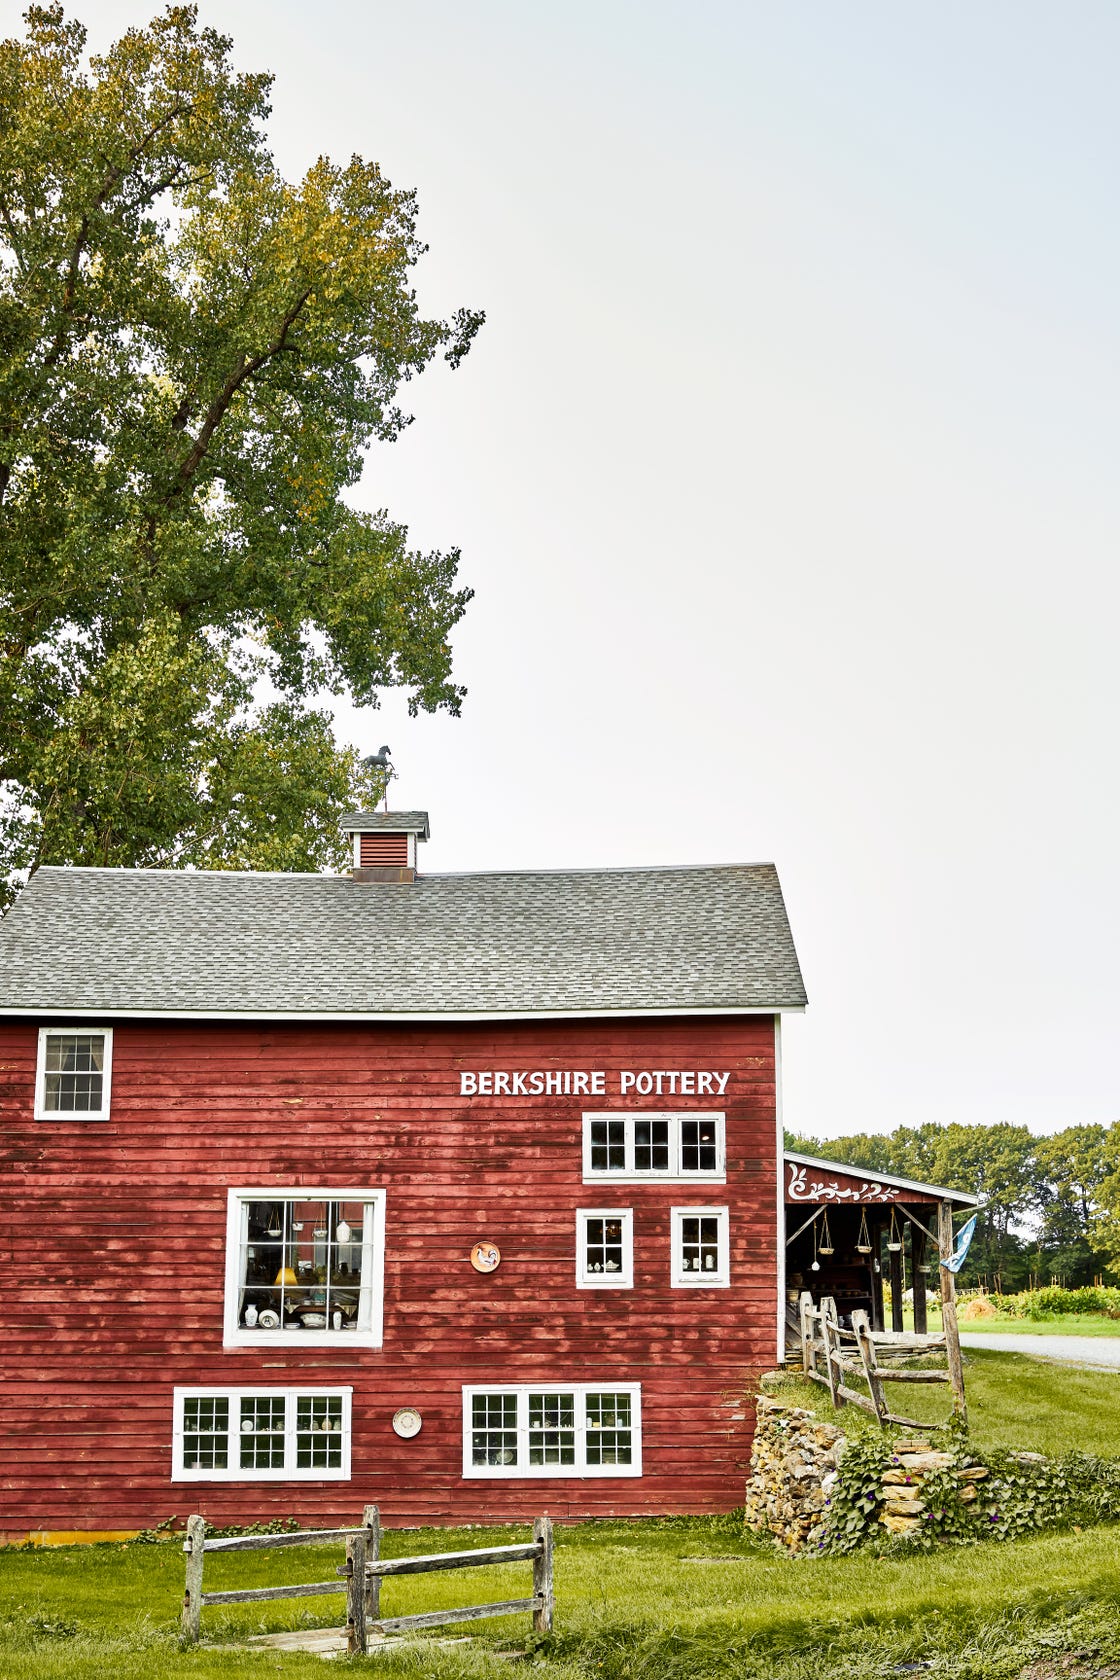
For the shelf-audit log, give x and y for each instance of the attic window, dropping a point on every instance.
(72, 1075)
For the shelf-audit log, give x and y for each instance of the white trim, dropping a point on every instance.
(937, 1191)
(233, 1471)
(605, 1280)
(674, 1174)
(371, 1287)
(65, 1012)
(721, 1277)
(780, 1227)
(522, 1470)
(42, 1112)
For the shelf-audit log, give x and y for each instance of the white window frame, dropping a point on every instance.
(721, 1277)
(580, 1471)
(42, 1112)
(233, 1471)
(605, 1280)
(673, 1174)
(238, 1335)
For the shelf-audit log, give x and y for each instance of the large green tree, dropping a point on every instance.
(194, 355)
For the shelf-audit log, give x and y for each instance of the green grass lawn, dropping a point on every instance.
(1013, 1401)
(683, 1599)
(641, 1601)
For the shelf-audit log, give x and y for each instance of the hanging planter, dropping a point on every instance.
(826, 1247)
(894, 1240)
(863, 1239)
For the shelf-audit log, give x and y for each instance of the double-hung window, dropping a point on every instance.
(679, 1148)
(304, 1267)
(73, 1073)
(261, 1434)
(605, 1248)
(701, 1248)
(566, 1429)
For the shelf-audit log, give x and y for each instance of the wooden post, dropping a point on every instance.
(895, 1261)
(805, 1308)
(862, 1328)
(542, 1576)
(830, 1336)
(949, 1307)
(192, 1597)
(917, 1261)
(371, 1522)
(875, 1263)
(356, 1637)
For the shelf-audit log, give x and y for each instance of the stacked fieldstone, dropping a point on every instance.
(904, 1479)
(793, 1471)
(794, 1466)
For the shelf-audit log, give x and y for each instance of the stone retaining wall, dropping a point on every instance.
(794, 1467)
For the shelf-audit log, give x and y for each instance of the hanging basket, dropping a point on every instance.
(825, 1247)
(863, 1239)
(894, 1240)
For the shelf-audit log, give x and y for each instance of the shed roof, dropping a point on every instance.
(835, 1170)
(547, 943)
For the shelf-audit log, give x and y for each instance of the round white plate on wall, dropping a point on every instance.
(407, 1422)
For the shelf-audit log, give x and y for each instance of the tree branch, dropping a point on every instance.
(219, 407)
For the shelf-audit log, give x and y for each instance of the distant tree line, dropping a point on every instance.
(1051, 1205)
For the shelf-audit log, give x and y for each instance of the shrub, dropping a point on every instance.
(1052, 1301)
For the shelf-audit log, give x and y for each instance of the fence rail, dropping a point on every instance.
(829, 1353)
(363, 1573)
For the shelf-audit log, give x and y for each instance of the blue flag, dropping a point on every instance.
(964, 1237)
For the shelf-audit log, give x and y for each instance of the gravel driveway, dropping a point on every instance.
(1101, 1351)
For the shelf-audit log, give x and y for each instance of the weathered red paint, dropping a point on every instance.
(113, 1255)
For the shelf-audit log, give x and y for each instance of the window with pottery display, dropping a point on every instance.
(573, 1429)
(304, 1266)
(269, 1433)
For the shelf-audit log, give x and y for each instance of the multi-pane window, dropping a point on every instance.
(273, 1434)
(605, 1248)
(304, 1266)
(678, 1147)
(73, 1074)
(571, 1429)
(701, 1253)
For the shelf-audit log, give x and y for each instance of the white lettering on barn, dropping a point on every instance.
(802, 1188)
(658, 1082)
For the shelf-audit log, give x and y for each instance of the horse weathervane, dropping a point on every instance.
(380, 761)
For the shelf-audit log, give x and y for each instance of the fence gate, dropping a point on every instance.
(362, 1574)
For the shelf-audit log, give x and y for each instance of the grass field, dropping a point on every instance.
(1063, 1324)
(683, 1599)
(1014, 1401)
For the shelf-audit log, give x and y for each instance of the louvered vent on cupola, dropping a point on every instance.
(384, 843)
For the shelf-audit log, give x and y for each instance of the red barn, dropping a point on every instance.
(458, 1193)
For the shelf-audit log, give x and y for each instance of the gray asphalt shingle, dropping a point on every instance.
(444, 945)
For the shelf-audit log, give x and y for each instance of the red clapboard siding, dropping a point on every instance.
(382, 848)
(113, 1256)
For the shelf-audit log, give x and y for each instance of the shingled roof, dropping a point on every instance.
(596, 941)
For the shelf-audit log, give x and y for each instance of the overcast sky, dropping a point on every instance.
(784, 471)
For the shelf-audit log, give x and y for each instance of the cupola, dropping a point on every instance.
(384, 843)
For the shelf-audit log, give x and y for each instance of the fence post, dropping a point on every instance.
(192, 1597)
(371, 1521)
(542, 1576)
(805, 1308)
(356, 1639)
(949, 1307)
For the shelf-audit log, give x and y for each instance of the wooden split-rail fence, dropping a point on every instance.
(831, 1353)
(363, 1572)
